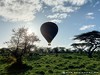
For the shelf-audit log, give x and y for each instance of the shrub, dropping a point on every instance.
(50, 71)
(40, 72)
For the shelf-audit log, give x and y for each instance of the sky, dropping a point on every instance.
(72, 17)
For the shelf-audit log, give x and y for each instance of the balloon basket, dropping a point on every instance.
(49, 44)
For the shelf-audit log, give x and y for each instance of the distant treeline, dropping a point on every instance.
(45, 50)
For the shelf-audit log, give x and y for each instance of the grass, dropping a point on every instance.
(63, 64)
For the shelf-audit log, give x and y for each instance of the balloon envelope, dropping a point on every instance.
(49, 31)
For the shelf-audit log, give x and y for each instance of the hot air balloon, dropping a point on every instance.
(49, 31)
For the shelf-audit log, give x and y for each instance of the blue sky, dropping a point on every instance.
(73, 17)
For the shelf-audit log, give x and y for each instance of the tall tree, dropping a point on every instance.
(21, 43)
(92, 40)
(79, 46)
(55, 50)
(61, 49)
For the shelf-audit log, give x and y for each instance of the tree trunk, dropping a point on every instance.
(19, 60)
(89, 51)
(90, 54)
(56, 54)
(81, 52)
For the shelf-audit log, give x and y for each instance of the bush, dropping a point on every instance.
(40, 72)
(50, 71)
(47, 66)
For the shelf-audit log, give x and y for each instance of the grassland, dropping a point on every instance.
(50, 64)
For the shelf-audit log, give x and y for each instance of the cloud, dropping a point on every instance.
(60, 6)
(90, 15)
(67, 9)
(57, 16)
(19, 10)
(25, 10)
(56, 21)
(53, 2)
(87, 27)
(77, 2)
(98, 2)
(61, 2)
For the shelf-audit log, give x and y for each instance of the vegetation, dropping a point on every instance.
(22, 57)
(50, 64)
(21, 43)
(91, 39)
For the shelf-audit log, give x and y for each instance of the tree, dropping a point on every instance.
(92, 40)
(4, 52)
(49, 50)
(79, 46)
(21, 43)
(61, 49)
(55, 50)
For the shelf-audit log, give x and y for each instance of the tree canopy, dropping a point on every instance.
(21, 42)
(92, 40)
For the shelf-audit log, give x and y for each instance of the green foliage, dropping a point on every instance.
(63, 64)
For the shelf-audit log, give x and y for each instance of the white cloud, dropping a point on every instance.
(25, 10)
(77, 2)
(67, 9)
(19, 10)
(90, 15)
(61, 2)
(58, 6)
(56, 21)
(53, 2)
(58, 16)
(96, 3)
(87, 27)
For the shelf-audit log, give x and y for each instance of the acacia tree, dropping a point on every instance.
(92, 40)
(21, 43)
(79, 46)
